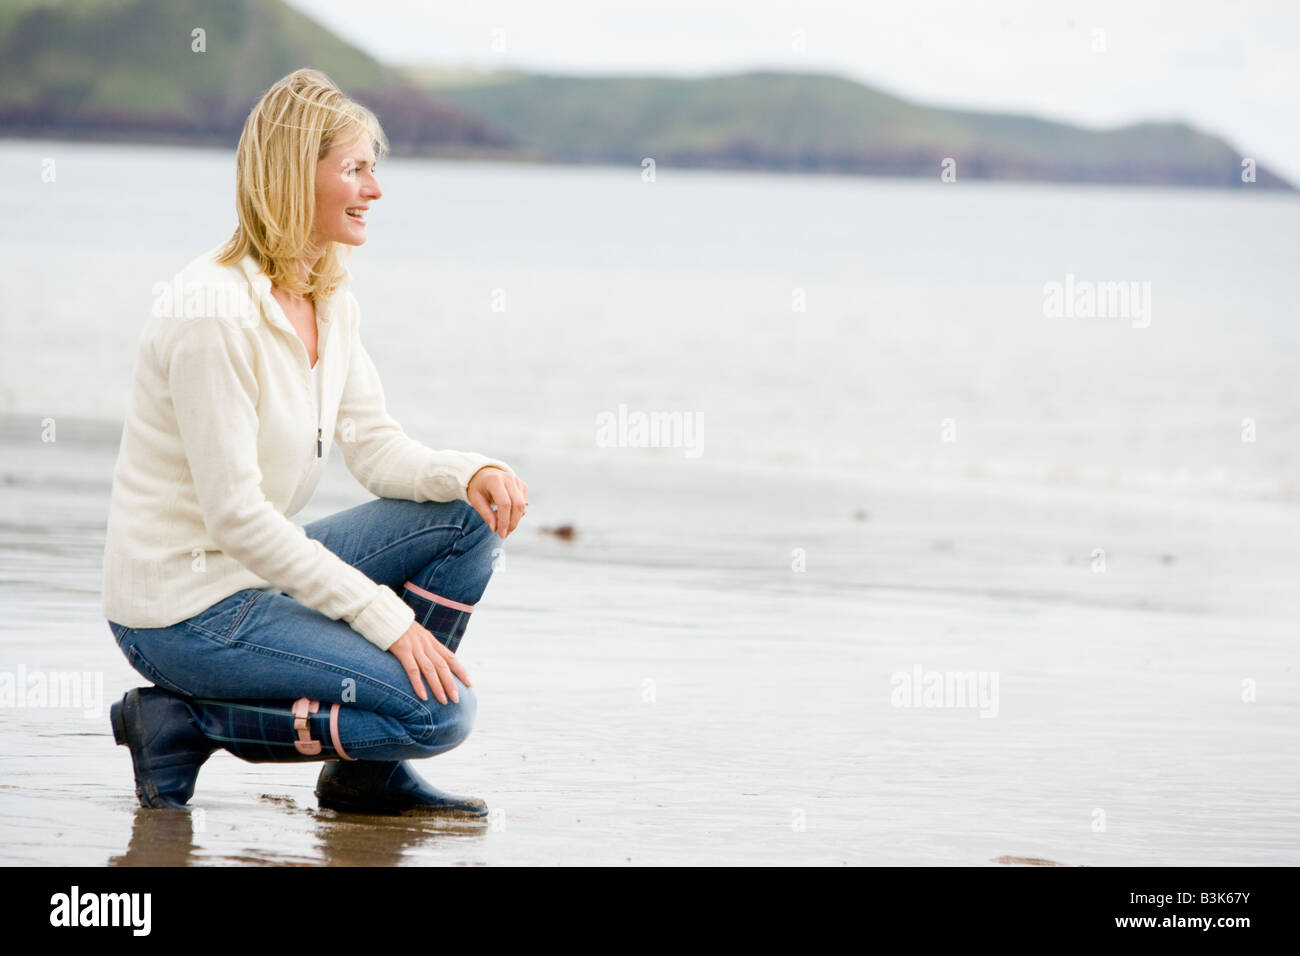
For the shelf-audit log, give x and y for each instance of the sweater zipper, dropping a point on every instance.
(320, 399)
(306, 367)
(317, 400)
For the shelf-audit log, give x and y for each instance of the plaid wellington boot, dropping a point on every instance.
(442, 617)
(170, 737)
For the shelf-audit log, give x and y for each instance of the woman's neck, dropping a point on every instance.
(304, 267)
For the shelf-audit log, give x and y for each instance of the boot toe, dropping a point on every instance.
(385, 787)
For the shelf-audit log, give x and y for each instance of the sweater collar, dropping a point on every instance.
(260, 283)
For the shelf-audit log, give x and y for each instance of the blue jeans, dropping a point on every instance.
(266, 646)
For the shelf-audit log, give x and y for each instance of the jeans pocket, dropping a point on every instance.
(146, 669)
(221, 621)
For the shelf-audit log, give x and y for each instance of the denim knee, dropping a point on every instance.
(461, 512)
(472, 522)
(444, 726)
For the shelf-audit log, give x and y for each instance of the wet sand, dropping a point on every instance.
(664, 688)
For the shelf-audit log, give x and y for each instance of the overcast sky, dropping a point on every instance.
(1230, 68)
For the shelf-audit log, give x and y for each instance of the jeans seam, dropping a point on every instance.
(405, 538)
(407, 741)
(422, 714)
(381, 742)
(150, 670)
(455, 552)
(244, 608)
(243, 611)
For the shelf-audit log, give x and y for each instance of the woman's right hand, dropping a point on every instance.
(423, 657)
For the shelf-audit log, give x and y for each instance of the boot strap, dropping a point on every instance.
(334, 732)
(301, 708)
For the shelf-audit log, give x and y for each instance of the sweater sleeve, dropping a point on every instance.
(382, 457)
(214, 391)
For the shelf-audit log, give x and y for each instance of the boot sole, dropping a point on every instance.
(344, 806)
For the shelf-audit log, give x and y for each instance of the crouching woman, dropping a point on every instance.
(334, 642)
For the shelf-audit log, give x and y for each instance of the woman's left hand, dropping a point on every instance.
(495, 486)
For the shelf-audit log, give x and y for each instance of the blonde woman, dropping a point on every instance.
(335, 642)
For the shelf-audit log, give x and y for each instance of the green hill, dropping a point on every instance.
(125, 69)
(817, 122)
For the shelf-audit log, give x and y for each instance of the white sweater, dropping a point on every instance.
(223, 443)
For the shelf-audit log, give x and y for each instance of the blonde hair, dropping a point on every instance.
(293, 126)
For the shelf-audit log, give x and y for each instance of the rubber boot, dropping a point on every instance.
(167, 749)
(388, 787)
(170, 737)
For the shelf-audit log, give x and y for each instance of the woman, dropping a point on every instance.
(270, 640)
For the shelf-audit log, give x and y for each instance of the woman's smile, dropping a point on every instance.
(346, 186)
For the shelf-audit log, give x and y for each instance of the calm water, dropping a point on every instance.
(667, 687)
(922, 304)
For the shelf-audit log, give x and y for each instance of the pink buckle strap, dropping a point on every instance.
(304, 744)
(334, 732)
(438, 598)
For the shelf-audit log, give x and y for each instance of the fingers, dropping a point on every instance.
(401, 650)
(499, 491)
(499, 497)
(517, 498)
(439, 666)
(510, 496)
(418, 651)
(433, 669)
(454, 662)
(479, 502)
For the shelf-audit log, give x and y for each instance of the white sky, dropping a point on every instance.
(1230, 67)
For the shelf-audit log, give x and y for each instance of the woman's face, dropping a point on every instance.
(345, 187)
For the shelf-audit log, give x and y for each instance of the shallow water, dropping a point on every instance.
(665, 689)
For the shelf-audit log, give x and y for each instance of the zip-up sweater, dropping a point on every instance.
(223, 443)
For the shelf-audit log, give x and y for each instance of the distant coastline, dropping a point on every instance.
(140, 71)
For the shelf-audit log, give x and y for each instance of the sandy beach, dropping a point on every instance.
(667, 688)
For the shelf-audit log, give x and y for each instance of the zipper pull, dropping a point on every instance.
(318, 436)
